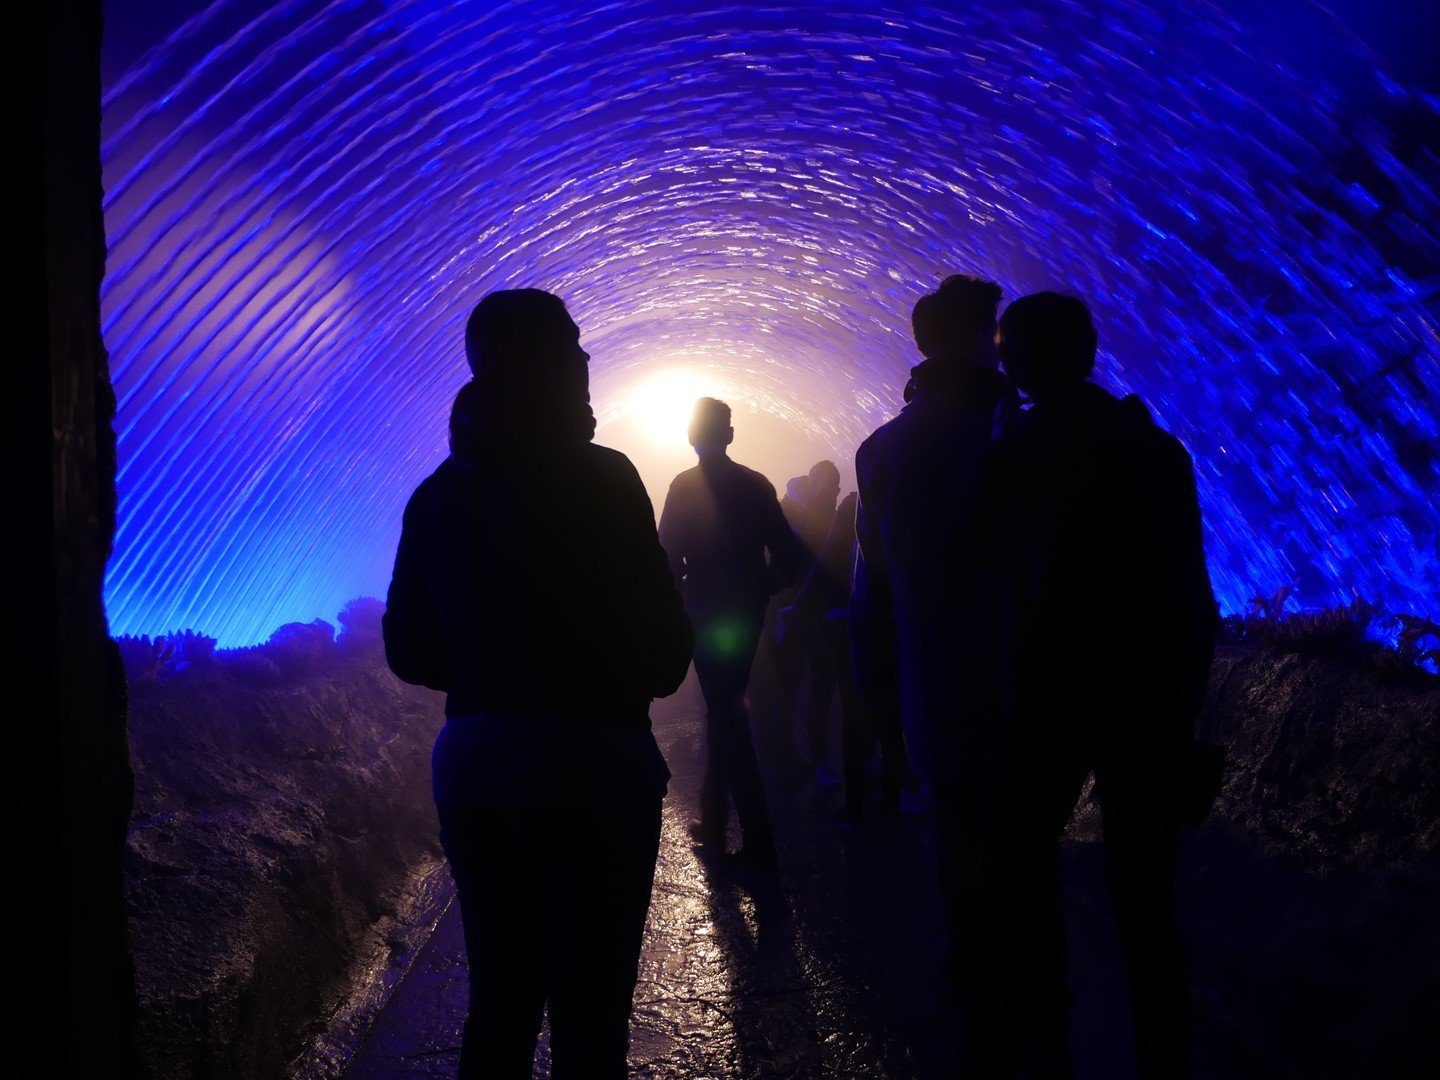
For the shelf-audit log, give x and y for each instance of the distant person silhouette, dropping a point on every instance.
(1092, 527)
(923, 646)
(779, 663)
(802, 649)
(821, 611)
(531, 587)
(719, 522)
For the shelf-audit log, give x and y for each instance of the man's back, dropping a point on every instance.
(1096, 532)
(720, 519)
(530, 565)
(915, 602)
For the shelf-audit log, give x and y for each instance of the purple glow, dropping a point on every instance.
(304, 199)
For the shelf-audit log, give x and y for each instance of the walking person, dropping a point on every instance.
(923, 645)
(720, 522)
(821, 611)
(802, 651)
(531, 587)
(1091, 525)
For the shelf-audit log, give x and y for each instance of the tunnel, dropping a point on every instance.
(304, 199)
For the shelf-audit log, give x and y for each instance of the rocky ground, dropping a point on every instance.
(284, 884)
(276, 853)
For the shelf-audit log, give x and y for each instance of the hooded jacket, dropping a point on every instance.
(1091, 526)
(529, 579)
(918, 611)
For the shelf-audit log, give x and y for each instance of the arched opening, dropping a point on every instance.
(303, 200)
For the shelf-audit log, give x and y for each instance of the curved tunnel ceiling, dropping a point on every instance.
(304, 199)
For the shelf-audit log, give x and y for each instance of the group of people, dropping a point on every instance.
(1016, 598)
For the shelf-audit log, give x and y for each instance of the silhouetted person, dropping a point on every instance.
(803, 648)
(720, 520)
(792, 503)
(919, 610)
(530, 585)
(1092, 526)
(781, 661)
(822, 612)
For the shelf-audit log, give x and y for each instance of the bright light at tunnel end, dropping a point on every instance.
(662, 405)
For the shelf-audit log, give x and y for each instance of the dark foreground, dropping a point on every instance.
(834, 971)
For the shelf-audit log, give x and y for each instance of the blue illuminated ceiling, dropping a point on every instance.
(304, 199)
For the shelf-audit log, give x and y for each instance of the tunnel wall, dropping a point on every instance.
(68, 785)
(281, 818)
(305, 199)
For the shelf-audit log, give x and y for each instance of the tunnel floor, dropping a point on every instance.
(833, 971)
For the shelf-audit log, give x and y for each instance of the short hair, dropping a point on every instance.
(825, 468)
(1046, 340)
(505, 325)
(711, 417)
(961, 308)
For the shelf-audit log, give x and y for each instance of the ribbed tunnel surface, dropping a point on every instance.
(304, 199)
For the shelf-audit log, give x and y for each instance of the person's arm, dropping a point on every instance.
(673, 533)
(1192, 599)
(787, 554)
(667, 640)
(822, 583)
(415, 644)
(872, 605)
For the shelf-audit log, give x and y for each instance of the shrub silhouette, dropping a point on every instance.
(166, 655)
(300, 649)
(360, 627)
(1398, 646)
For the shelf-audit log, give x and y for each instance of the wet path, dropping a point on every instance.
(835, 971)
(818, 975)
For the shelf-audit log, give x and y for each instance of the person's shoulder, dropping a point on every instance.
(686, 479)
(1139, 420)
(871, 446)
(435, 493)
(608, 460)
(443, 479)
(758, 480)
(886, 439)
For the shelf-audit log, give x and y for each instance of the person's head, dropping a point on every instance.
(710, 430)
(531, 380)
(824, 484)
(524, 335)
(1047, 343)
(957, 320)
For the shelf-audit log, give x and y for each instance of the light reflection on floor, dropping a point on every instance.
(736, 980)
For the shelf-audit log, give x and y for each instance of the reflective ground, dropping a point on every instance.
(835, 970)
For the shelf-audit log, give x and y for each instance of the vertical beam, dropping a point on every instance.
(70, 773)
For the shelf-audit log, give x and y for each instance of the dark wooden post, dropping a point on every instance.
(69, 773)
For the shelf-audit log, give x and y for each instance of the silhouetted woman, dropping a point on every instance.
(530, 586)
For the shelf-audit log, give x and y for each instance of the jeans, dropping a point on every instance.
(1014, 995)
(553, 901)
(724, 651)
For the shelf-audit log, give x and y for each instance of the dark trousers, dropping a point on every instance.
(861, 726)
(825, 676)
(775, 728)
(724, 651)
(554, 904)
(1014, 996)
(957, 854)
